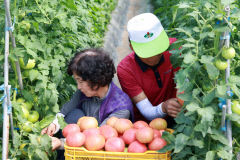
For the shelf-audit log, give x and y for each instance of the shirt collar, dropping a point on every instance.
(145, 66)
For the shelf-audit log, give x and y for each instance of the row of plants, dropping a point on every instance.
(198, 26)
(48, 33)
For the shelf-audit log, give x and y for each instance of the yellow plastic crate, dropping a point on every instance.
(80, 153)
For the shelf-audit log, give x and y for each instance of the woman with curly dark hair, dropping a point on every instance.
(97, 96)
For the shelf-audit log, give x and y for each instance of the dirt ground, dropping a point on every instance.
(135, 7)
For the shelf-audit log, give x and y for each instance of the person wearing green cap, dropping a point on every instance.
(146, 74)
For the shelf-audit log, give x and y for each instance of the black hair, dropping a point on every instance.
(94, 66)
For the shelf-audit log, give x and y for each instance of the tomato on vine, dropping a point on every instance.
(25, 112)
(221, 65)
(236, 107)
(30, 64)
(27, 126)
(33, 116)
(228, 53)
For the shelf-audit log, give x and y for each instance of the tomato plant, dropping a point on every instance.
(197, 26)
(47, 34)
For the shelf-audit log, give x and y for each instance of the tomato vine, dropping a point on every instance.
(198, 26)
(48, 32)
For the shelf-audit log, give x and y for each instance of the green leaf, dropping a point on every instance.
(168, 137)
(196, 142)
(224, 154)
(33, 74)
(53, 99)
(212, 71)
(70, 4)
(234, 79)
(183, 5)
(62, 122)
(46, 121)
(202, 128)
(192, 107)
(55, 108)
(192, 40)
(167, 148)
(187, 31)
(181, 141)
(181, 118)
(41, 154)
(210, 155)
(189, 58)
(235, 90)
(234, 117)
(33, 139)
(206, 59)
(207, 113)
(183, 154)
(32, 53)
(221, 90)
(46, 142)
(185, 96)
(27, 95)
(16, 141)
(193, 158)
(208, 97)
(220, 138)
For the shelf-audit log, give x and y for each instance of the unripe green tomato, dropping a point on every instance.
(27, 126)
(26, 73)
(20, 100)
(25, 25)
(28, 105)
(35, 99)
(33, 116)
(228, 53)
(221, 65)
(235, 107)
(25, 112)
(31, 63)
(237, 124)
(22, 149)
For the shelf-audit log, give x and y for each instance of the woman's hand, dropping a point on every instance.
(171, 107)
(56, 143)
(50, 130)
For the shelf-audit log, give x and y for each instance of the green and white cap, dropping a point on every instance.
(147, 35)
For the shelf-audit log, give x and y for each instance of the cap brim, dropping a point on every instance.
(152, 48)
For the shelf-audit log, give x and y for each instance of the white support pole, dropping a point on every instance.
(227, 75)
(5, 104)
(225, 41)
(9, 22)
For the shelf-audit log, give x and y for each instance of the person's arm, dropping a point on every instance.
(130, 86)
(73, 103)
(124, 113)
(170, 107)
(66, 108)
(58, 143)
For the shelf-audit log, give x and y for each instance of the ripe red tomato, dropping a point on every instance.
(228, 53)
